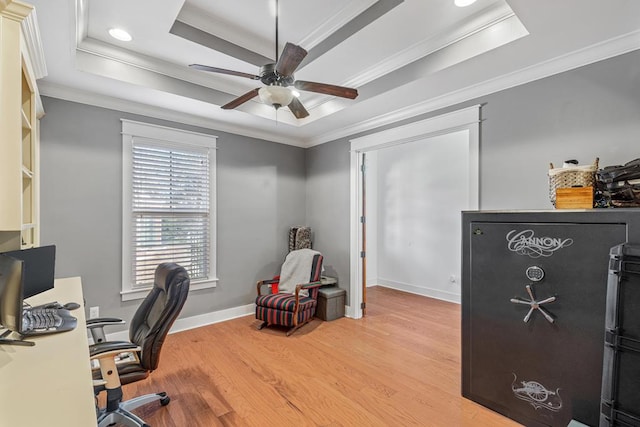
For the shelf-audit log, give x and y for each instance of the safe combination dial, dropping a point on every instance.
(534, 273)
(534, 304)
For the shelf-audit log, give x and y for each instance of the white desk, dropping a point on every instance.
(50, 383)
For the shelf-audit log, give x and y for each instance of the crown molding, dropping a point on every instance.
(591, 54)
(597, 52)
(147, 63)
(337, 21)
(491, 17)
(15, 10)
(33, 45)
(89, 98)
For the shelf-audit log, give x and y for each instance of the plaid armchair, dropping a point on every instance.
(296, 299)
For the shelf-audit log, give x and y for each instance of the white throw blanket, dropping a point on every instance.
(296, 270)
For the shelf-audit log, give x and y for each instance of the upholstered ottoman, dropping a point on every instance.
(331, 303)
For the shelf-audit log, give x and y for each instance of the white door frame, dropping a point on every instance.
(466, 119)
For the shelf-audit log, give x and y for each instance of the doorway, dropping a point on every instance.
(422, 157)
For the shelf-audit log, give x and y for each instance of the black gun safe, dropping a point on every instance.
(534, 291)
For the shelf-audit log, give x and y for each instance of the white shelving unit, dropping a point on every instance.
(20, 111)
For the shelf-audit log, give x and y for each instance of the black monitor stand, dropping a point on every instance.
(4, 340)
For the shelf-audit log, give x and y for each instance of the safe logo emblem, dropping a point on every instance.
(537, 395)
(526, 243)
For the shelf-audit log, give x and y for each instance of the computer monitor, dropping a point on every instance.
(11, 275)
(39, 268)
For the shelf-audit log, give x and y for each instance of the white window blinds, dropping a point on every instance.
(170, 208)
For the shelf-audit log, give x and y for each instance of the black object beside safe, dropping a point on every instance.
(534, 290)
(621, 372)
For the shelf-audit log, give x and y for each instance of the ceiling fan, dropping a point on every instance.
(277, 77)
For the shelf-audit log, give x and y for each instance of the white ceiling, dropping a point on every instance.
(404, 57)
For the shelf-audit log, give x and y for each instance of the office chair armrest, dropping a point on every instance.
(107, 356)
(103, 321)
(262, 283)
(96, 327)
(111, 349)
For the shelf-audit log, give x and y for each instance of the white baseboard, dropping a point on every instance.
(213, 317)
(419, 290)
(192, 322)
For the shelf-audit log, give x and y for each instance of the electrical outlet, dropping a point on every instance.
(94, 312)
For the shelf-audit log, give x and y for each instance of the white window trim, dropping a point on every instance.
(131, 129)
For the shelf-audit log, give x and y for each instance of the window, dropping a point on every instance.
(168, 205)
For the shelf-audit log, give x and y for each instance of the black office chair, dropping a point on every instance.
(147, 333)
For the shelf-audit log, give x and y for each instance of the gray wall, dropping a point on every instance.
(327, 206)
(261, 193)
(263, 187)
(590, 112)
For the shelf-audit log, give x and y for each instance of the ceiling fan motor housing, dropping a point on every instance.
(270, 77)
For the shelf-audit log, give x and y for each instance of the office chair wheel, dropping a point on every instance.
(165, 401)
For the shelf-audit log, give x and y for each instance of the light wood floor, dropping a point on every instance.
(399, 366)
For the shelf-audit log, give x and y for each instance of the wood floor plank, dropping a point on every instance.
(399, 366)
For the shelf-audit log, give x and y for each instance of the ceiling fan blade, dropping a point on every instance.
(343, 92)
(223, 71)
(291, 57)
(298, 109)
(241, 99)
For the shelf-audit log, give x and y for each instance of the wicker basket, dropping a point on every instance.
(577, 176)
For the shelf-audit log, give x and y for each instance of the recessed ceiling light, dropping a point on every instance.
(463, 3)
(120, 34)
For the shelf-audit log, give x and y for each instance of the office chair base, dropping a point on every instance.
(123, 416)
(136, 402)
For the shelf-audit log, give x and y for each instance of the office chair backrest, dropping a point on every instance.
(158, 311)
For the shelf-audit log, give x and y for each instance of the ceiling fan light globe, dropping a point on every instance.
(464, 3)
(276, 96)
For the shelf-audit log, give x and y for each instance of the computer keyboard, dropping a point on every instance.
(39, 320)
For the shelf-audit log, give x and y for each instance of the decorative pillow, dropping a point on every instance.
(303, 238)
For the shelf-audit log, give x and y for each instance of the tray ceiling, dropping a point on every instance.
(402, 55)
